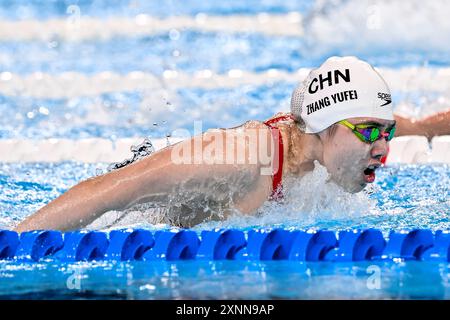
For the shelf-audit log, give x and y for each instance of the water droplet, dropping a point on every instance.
(174, 34)
(5, 76)
(235, 73)
(200, 18)
(170, 74)
(142, 19)
(44, 111)
(139, 151)
(52, 44)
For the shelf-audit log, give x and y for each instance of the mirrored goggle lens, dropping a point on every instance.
(391, 134)
(371, 134)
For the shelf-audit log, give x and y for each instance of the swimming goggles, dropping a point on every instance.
(369, 133)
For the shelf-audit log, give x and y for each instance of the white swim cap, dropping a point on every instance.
(341, 88)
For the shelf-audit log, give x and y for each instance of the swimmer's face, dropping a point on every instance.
(347, 158)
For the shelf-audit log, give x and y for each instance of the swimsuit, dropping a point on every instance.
(277, 187)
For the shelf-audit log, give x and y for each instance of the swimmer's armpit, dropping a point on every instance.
(435, 125)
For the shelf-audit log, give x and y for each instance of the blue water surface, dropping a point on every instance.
(407, 196)
(191, 51)
(38, 9)
(412, 196)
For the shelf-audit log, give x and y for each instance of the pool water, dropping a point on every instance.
(225, 280)
(403, 197)
(96, 83)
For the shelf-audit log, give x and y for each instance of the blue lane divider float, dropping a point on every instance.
(313, 245)
(9, 241)
(267, 245)
(221, 244)
(83, 246)
(440, 251)
(129, 244)
(226, 244)
(174, 245)
(408, 245)
(36, 245)
(357, 245)
(280, 244)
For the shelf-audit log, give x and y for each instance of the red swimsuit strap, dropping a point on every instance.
(277, 161)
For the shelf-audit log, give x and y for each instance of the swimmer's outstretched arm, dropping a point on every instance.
(154, 176)
(435, 125)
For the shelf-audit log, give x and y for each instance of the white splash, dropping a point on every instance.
(149, 218)
(311, 199)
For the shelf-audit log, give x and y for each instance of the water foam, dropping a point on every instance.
(308, 200)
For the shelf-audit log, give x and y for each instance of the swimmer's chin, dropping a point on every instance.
(360, 188)
(353, 188)
(350, 187)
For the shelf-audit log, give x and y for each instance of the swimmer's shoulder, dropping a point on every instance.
(249, 124)
(257, 124)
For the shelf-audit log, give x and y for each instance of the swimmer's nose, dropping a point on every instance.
(379, 149)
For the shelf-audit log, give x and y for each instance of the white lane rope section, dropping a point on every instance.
(86, 28)
(75, 84)
(88, 150)
(406, 149)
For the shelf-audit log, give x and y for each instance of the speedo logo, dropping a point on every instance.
(385, 97)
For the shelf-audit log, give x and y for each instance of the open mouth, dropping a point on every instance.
(369, 173)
